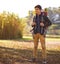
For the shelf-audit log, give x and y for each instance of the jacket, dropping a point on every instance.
(45, 20)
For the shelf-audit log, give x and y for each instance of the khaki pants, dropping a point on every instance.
(42, 40)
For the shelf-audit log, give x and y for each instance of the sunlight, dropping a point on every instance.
(21, 7)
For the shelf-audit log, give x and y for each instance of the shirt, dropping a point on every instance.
(38, 19)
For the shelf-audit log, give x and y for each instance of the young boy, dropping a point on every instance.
(40, 23)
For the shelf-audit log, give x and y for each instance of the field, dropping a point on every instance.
(20, 51)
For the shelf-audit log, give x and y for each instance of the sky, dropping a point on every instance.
(21, 7)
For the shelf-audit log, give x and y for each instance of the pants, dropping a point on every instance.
(36, 38)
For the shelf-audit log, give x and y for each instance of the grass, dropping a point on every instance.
(18, 51)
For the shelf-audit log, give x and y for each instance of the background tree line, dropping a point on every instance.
(53, 15)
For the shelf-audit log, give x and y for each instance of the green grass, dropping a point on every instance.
(28, 38)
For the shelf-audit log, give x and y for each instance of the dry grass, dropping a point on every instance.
(17, 52)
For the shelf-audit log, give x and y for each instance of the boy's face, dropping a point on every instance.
(37, 11)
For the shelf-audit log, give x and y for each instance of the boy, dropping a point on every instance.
(40, 23)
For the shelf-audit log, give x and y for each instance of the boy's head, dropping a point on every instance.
(38, 9)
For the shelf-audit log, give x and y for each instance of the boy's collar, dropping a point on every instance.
(39, 14)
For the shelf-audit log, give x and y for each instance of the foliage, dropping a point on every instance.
(11, 26)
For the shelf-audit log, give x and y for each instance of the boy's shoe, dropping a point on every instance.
(34, 59)
(44, 62)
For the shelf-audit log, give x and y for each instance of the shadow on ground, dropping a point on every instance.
(21, 56)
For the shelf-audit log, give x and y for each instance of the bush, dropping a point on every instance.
(11, 26)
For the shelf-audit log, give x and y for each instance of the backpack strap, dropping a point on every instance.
(34, 18)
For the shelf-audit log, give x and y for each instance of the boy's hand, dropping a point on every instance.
(33, 24)
(42, 24)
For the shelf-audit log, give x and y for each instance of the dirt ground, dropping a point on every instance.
(20, 52)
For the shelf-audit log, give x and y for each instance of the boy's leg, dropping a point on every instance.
(35, 39)
(42, 40)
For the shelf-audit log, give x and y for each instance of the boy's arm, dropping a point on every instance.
(47, 21)
(33, 23)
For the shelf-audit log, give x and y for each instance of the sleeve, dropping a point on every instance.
(34, 18)
(47, 21)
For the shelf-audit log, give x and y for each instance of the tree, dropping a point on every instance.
(11, 26)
